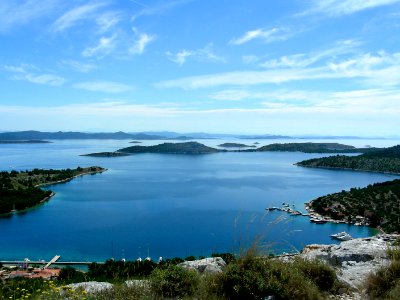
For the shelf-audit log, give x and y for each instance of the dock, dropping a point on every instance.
(52, 261)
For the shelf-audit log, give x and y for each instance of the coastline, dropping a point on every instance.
(347, 169)
(45, 199)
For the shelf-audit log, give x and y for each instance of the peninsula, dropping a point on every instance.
(377, 205)
(314, 148)
(236, 145)
(24, 142)
(386, 160)
(21, 190)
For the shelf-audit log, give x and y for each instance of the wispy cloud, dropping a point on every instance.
(103, 86)
(75, 15)
(345, 7)
(16, 13)
(104, 46)
(32, 74)
(373, 69)
(107, 21)
(162, 7)
(142, 40)
(78, 66)
(306, 59)
(202, 54)
(266, 36)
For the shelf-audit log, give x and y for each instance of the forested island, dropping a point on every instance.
(379, 204)
(235, 145)
(164, 148)
(314, 148)
(24, 142)
(385, 160)
(21, 190)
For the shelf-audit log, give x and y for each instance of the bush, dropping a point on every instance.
(257, 278)
(173, 281)
(385, 281)
(318, 272)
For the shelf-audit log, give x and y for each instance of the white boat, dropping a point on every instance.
(342, 236)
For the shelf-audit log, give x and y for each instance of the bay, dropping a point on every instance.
(171, 205)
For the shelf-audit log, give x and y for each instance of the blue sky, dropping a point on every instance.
(324, 67)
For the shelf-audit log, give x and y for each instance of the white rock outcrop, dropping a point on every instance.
(91, 286)
(354, 260)
(210, 265)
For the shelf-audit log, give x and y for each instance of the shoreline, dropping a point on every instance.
(45, 199)
(347, 169)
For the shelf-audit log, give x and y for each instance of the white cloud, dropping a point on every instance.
(372, 69)
(79, 66)
(72, 17)
(142, 40)
(103, 86)
(266, 36)
(157, 9)
(30, 73)
(346, 7)
(107, 21)
(104, 47)
(17, 13)
(231, 95)
(306, 59)
(202, 54)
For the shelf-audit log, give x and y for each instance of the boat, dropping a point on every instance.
(318, 221)
(341, 236)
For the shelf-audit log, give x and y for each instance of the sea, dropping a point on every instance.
(164, 205)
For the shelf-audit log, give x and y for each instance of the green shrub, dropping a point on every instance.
(173, 281)
(318, 272)
(385, 281)
(254, 277)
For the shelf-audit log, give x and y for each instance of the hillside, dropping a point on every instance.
(172, 148)
(314, 148)
(20, 190)
(378, 203)
(378, 160)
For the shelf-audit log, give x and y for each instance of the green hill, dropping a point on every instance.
(172, 148)
(377, 160)
(378, 203)
(314, 148)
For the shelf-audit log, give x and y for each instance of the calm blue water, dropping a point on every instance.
(169, 205)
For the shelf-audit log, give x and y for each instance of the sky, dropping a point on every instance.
(292, 67)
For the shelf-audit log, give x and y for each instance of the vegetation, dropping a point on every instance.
(385, 283)
(248, 277)
(20, 190)
(377, 160)
(235, 145)
(378, 203)
(172, 148)
(314, 148)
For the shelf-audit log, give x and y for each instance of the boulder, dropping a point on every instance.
(354, 260)
(210, 265)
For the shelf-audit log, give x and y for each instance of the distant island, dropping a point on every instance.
(21, 190)
(385, 160)
(106, 154)
(235, 145)
(314, 148)
(172, 148)
(377, 205)
(24, 142)
(135, 142)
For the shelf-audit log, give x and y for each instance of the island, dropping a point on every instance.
(106, 154)
(135, 142)
(376, 205)
(24, 142)
(21, 190)
(386, 160)
(235, 145)
(172, 148)
(314, 148)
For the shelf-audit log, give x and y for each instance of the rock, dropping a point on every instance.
(140, 283)
(91, 286)
(354, 260)
(210, 265)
